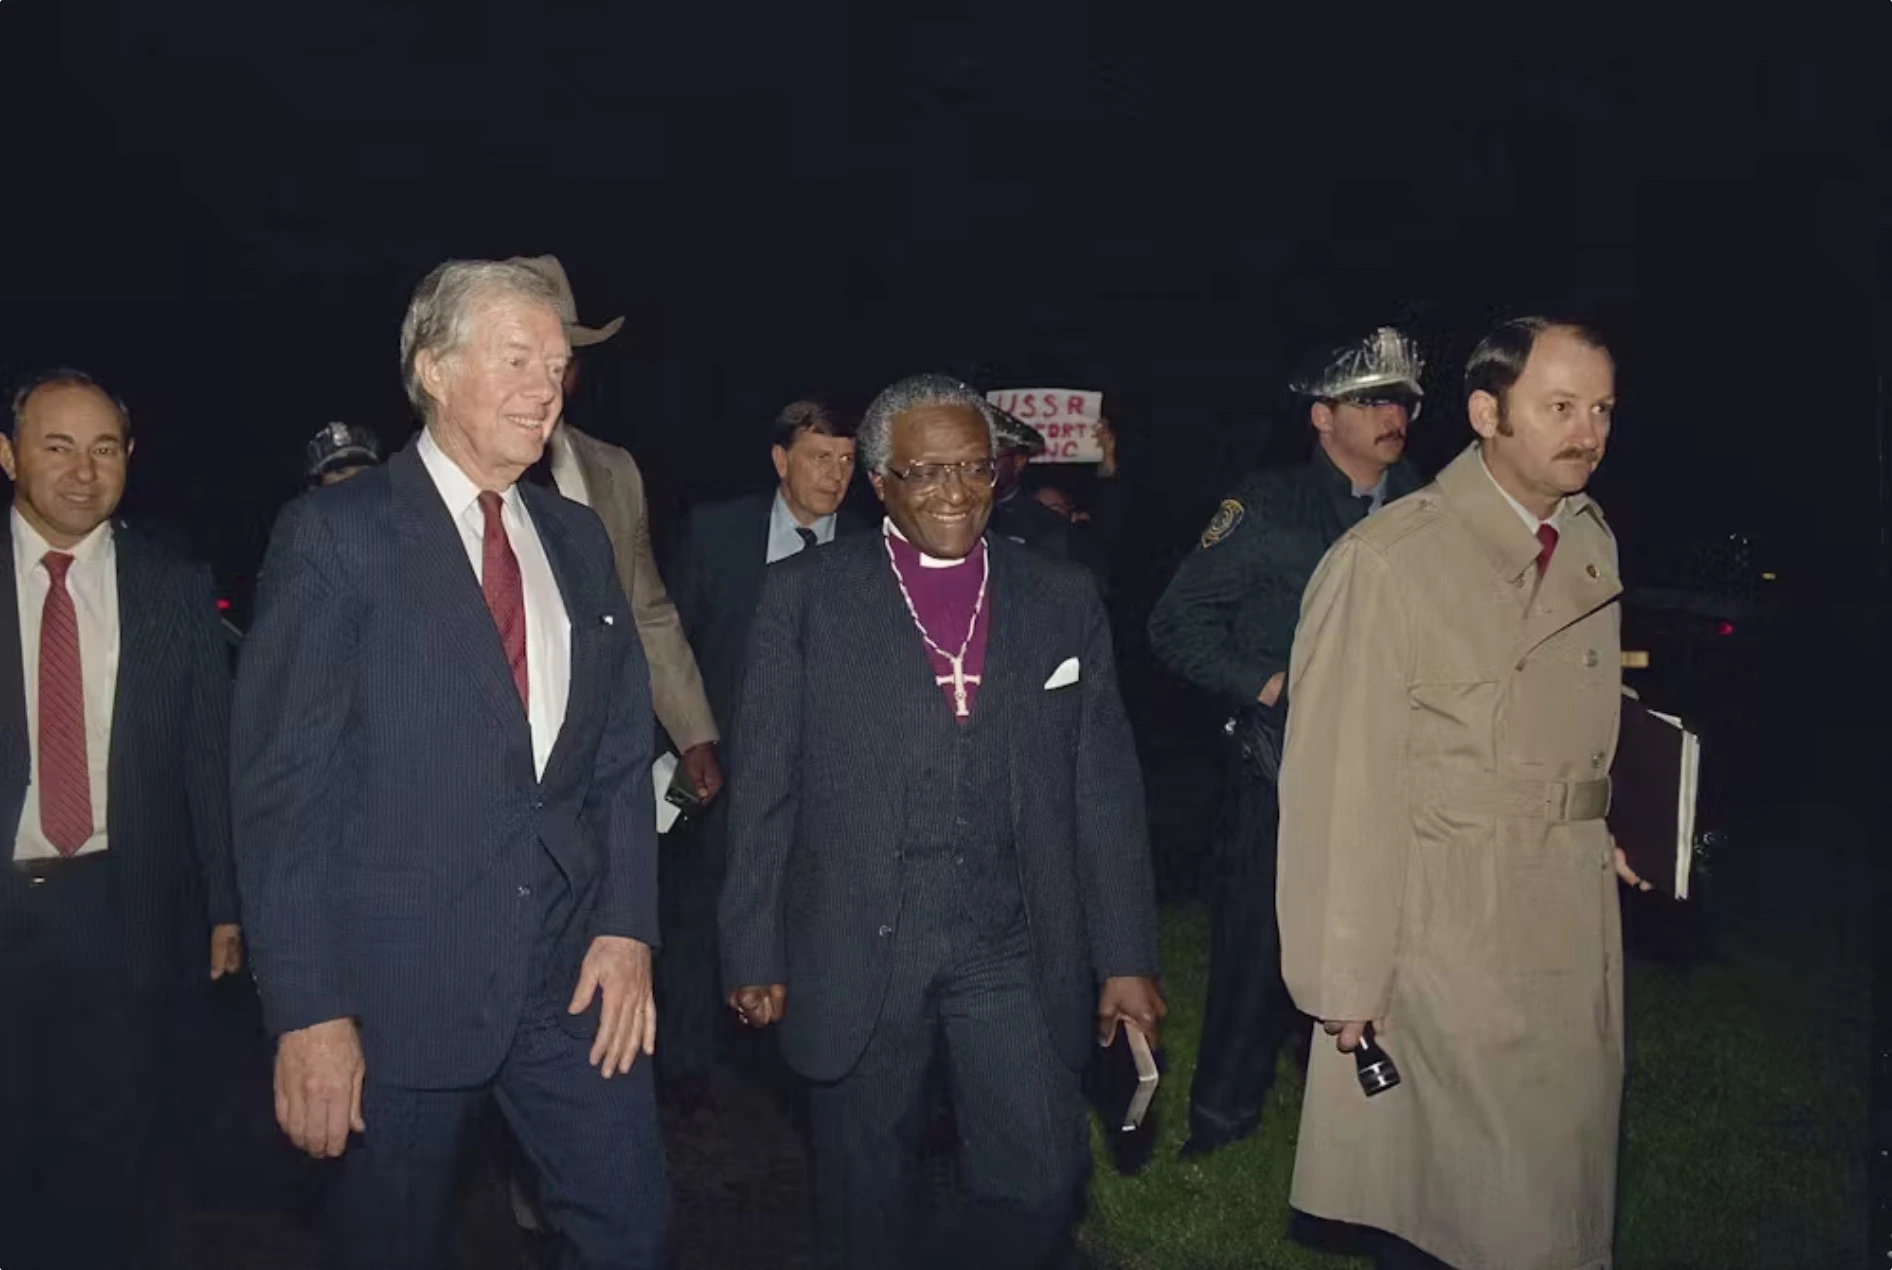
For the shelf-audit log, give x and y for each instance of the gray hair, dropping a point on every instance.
(62, 377)
(440, 316)
(916, 392)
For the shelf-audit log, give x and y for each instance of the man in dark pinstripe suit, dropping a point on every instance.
(937, 837)
(114, 760)
(444, 824)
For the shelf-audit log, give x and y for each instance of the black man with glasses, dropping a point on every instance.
(937, 843)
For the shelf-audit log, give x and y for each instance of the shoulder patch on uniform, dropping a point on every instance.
(1227, 516)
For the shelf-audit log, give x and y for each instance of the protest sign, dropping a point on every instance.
(1065, 417)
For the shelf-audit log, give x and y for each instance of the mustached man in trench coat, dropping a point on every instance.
(1445, 870)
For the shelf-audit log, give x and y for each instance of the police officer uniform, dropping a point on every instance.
(1226, 623)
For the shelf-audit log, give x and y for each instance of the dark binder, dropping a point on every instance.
(1652, 797)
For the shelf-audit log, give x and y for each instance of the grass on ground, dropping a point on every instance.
(1744, 1118)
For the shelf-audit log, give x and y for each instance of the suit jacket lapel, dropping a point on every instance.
(1007, 645)
(1580, 580)
(749, 560)
(1508, 545)
(440, 582)
(16, 760)
(1008, 691)
(889, 639)
(140, 634)
(584, 611)
(1581, 577)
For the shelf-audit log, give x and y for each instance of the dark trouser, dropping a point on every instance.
(695, 1021)
(1393, 1253)
(594, 1145)
(1249, 1012)
(1023, 1127)
(79, 1047)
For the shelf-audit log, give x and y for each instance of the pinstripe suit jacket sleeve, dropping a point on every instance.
(292, 724)
(765, 800)
(207, 783)
(1112, 840)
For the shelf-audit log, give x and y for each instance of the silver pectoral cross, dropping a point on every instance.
(958, 679)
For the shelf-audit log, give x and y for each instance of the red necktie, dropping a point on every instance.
(1547, 538)
(65, 778)
(505, 592)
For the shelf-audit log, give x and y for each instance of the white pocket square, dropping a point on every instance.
(1064, 676)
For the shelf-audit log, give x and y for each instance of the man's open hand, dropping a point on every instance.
(759, 1007)
(618, 970)
(1131, 999)
(318, 1086)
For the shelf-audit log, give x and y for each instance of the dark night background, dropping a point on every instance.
(220, 209)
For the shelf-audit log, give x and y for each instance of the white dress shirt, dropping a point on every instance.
(1531, 522)
(783, 540)
(548, 625)
(566, 474)
(92, 581)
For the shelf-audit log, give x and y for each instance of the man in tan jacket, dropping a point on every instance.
(1445, 870)
(605, 478)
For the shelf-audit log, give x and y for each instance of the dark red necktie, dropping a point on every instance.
(1547, 540)
(505, 592)
(65, 778)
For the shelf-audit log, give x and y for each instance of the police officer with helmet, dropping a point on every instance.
(1226, 624)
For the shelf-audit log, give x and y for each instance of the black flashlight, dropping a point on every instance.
(1373, 1065)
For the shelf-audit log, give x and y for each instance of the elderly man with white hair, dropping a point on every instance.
(445, 837)
(937, 844)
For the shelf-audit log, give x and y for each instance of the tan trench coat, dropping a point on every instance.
(1445, 869)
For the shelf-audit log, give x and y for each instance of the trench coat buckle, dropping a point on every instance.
(1580, 800)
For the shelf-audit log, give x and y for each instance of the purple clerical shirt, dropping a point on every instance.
(944, 599)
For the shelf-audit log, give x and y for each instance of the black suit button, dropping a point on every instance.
(525, 892)
(538, 804)
(885, 931)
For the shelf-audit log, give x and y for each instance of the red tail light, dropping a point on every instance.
(223, 606)
(1724, 628)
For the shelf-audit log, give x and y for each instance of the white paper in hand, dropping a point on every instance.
(660, 773)
(1146, 1077)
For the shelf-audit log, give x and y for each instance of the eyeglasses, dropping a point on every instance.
(977, 474)
(1368, 400)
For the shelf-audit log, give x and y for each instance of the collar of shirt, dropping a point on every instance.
(567, 475)
(926, 561)
(1531, 522)
(1376, 491)
(783, 540)
(457, 489)
(29, 549)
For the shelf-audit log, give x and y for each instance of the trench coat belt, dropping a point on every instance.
(1492, 795)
